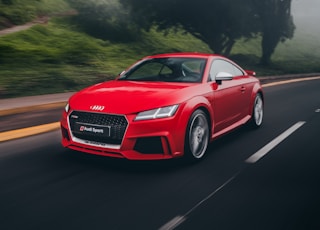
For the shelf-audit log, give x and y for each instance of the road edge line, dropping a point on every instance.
(54, 105)
(290, 81)
(30, 131)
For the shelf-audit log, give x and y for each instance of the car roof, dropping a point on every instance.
(184, 54)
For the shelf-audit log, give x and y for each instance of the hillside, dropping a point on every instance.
(18, 12)
(60, 56)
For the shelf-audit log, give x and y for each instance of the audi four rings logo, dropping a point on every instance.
(97, 107)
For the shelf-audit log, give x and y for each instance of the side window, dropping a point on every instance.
(223, 66)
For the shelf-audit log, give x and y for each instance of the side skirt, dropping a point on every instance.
(231, 127)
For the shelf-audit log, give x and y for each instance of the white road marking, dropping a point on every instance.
(176, 221)
(266, 149)
(317, 110)
(172, 224)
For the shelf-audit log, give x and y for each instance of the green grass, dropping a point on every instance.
(59, 57)
(299, 55)
(23, 11)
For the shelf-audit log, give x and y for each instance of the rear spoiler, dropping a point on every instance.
(250, 72)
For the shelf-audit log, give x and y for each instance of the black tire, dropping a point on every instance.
(257, 112)
(197, 136)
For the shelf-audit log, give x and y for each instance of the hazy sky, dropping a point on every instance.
(306, 15)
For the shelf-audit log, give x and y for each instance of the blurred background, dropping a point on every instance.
(53, 46)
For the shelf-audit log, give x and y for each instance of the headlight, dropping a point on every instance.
(67, 108)
(163, 112)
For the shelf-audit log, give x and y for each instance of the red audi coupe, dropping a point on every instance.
(164, 106)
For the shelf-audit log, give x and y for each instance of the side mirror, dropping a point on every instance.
(223, 76)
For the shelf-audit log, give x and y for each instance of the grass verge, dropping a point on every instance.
(60, 57)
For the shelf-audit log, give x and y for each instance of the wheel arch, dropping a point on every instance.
(209, 117)
(257, 89)
(196, 103)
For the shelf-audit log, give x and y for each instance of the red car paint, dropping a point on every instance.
(227, 105)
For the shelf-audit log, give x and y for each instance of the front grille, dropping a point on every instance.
(98, 127)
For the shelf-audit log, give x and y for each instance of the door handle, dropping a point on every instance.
(242, 89)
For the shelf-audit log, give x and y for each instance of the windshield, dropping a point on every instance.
(173, 69)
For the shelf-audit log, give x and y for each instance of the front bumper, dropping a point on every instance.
(143, 140)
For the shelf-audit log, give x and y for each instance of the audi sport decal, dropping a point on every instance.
(91, 129)
(104, 131)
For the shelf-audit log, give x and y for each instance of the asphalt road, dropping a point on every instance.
(30, 119)
(43, 186)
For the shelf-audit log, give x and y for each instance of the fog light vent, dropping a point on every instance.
(65, 133)
(149, 145)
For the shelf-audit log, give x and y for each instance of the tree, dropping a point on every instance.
(219, 23)
(7, 2)
(104, 19)
(276, 25)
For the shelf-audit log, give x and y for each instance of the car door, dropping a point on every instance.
(228, 96)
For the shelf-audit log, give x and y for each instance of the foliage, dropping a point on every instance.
(22, 11)
(105, 19)
(219, 23)
(276, 24)
(57, 57)
(210, 21)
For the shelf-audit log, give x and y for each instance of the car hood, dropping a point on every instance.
(127, 97)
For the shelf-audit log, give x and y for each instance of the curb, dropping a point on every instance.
(274, 79)
(26, 132)
(55, 105)
(290, 80)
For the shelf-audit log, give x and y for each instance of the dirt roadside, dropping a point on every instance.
(13, 29)
(39, 20)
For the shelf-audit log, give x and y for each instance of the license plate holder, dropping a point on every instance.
(95, 130)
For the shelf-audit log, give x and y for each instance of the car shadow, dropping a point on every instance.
(90, 161)
(124, 165)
